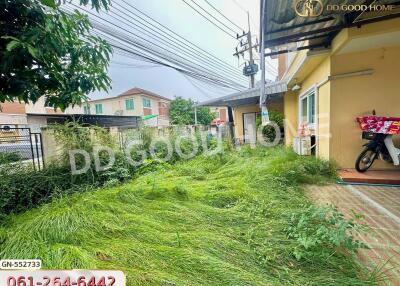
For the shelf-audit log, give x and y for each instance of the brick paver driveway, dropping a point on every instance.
(380, 207)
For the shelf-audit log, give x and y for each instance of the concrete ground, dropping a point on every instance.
(380, 207)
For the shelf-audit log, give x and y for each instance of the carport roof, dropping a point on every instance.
(283, 26)
(249, 96)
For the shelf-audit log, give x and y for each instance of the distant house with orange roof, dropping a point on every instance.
(133, 102)
(153, 108)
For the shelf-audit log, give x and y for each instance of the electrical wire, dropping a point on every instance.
(203, 76)
(212, 16)
(135, 54)
(171, 40)
(212, 22)
(175, 45)
(219, 12)
(175, 35)
(210, 72)
(173, 59)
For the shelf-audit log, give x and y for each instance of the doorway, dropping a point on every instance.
(249, 128)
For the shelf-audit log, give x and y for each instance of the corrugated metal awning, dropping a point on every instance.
(249, 96)
(287, 22)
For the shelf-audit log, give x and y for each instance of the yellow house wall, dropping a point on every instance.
(323, 120)
(341, 100)
(291, 107)
(295, 63)
(239, 110)
(238, 118)
(291, 118)
(359, 95)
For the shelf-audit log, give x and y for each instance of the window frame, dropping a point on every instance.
(129, 100)
(86, 109)
(306, 96)
(143, 101)
(99, 109)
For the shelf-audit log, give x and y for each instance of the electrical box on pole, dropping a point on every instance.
(250, 68)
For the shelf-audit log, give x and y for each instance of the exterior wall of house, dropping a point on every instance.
(324, 121)
(12, 113)
(290, 109)
(253, 108)
(359, 95)
(238, 118)
(116, 106)
(282, 63)
(222, 111)
(12, 119)
(341, 99)
(15, 113)
(40, 107)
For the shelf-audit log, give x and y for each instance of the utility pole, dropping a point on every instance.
(263, 105)
(251, 69)
(250, 49)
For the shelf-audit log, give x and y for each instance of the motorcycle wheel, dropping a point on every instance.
(365, 160)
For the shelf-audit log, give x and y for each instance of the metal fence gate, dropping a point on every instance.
(22, 144)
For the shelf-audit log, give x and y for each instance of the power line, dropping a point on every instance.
(209, 72)
(193, 75)
(175, 60)
(122, 65)
(203, 77)
(196, 87)
(212, 16)
(169, 39)
(245, 10)
(212, 22)
(219, 12)
(176, 35)
(192, 71)
(206, 61)
(213, 89)
(149, 54)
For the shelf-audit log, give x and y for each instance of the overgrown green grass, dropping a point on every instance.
(216, 220)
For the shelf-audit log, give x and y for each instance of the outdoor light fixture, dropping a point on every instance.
(296, 87)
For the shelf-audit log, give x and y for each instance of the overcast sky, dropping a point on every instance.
(176, 15)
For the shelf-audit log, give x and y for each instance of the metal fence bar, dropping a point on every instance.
(33, 155)
(41, 149)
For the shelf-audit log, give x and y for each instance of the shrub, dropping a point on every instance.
(10, 157)
(290, 169)
(268, 131)
(23, 188)
(320, 232)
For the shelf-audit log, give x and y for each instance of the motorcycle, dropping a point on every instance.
(379, 146)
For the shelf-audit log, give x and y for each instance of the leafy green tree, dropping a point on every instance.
(45, 51)
(182, 112)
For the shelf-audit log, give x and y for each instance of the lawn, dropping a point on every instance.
(212, 220)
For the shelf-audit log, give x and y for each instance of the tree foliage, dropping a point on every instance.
(182, 112)
(45, 51)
